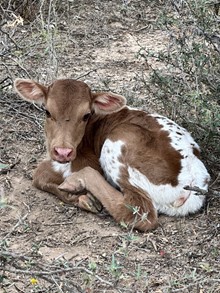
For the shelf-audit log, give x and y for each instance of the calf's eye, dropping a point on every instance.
(86, 117)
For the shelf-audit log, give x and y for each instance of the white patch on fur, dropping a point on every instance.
(168, 199)
(164, 196)
(65, 169)
(181, 140)
(193, 172)
(109, 160)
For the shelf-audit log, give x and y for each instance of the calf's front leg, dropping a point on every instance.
(119, 205)
(46, 179)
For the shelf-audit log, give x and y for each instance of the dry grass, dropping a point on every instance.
(47, 246)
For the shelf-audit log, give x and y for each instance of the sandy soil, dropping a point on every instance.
(99, 44)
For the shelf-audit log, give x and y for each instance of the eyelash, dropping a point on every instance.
(48, 115)
(86, 117)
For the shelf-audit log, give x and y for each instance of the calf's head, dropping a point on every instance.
(68, 106)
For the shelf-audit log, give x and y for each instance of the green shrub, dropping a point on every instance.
(187, 86)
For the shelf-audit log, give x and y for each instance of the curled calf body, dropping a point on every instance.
(134, 163)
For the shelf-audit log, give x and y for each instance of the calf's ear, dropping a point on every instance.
(107, 102)
(30, 90)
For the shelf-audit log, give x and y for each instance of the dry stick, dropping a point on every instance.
(10, 167)
(58, 286)
(83, 75)
(144, 27)
(7, 68)
(4, 79)
(67, 287)
(18, 289)
(23, 68)
(49, 273)
(215, 192)
(195, 188)
(216, 180)
(58, 224)
(201, 280)
(17, 63)
(53, 281)
(15, 226)
(201, 191)
(14, 255)
(7, 34)
(74, 285)
(31, 117)
(77, 241)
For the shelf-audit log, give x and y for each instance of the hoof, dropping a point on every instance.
(89, 203)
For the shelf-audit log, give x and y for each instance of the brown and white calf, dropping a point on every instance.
(146, 159)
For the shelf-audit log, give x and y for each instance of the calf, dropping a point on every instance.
(147, 160)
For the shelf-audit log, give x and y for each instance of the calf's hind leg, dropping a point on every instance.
(132, 206)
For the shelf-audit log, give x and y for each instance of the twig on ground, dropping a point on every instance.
(9, 37)
(58, 224)
(42, 271)
(20, 221)
(10, 167)
(192, 284)
(58, 271)
(87, 73)
(215, 192)
(216, 180)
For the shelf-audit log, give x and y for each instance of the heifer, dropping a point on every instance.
(147, 160)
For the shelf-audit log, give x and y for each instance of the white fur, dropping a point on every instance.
(65, 169)
(193, 173)
(181, 140)
(166, 198)
(109, 160)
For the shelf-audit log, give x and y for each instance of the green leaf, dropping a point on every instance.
(4, 166)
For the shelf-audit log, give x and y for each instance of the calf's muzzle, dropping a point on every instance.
(63, 155)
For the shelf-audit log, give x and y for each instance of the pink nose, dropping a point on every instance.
(63, 154)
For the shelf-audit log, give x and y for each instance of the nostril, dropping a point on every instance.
(64, 153)
(69, 152)
(56, 152)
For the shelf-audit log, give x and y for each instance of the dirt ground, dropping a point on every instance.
(48, 246)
